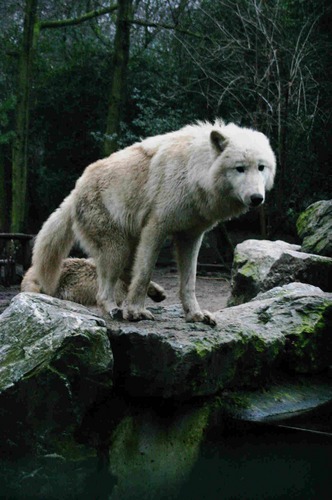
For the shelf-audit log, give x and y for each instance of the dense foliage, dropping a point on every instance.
(259, 63)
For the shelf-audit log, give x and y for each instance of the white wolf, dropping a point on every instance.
(123, 207)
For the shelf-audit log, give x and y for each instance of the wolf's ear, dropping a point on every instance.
(219, 142)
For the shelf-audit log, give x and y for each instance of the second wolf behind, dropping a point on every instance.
(124, 206)
(78, 282)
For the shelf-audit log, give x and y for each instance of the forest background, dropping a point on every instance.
(81, 79)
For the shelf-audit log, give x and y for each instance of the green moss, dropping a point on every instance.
(66, 447)
(308, 353)
(249, 269)
(313, 321)
(258, 344)
(201, 348)
(237, 401)
(303, 220)
(264, 316)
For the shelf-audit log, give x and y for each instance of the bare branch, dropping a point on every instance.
(299, 52)
(61, 23)
(148, 24)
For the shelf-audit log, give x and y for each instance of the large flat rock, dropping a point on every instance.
(285, 329)
(62, 352)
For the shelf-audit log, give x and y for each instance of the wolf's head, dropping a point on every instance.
(244, 166)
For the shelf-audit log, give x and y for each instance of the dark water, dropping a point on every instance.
(123, 451)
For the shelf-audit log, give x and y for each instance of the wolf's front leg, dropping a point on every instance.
(187, 249)
(151, 240)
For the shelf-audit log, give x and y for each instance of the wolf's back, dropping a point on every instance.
(52, 245)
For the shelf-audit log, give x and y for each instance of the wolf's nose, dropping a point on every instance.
(256, 199)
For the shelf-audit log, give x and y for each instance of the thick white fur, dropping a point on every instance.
(123, 207)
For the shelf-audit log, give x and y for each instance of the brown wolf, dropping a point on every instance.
(78, 283)
(123, 207)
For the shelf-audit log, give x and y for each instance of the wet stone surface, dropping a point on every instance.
(287, 328)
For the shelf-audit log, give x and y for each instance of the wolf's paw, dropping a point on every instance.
(156, 292)
(201, 317)
(116, 313)
(135, 314)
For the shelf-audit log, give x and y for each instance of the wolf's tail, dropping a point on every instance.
(52, 244)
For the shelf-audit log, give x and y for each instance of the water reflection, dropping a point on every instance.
(125, 450)
(152, 456)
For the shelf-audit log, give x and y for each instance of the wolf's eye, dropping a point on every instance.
(261, 168)
(240, 169)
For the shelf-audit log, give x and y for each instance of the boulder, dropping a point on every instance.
(260, 265)
(55, 360)
(288, 328)
(314, 227)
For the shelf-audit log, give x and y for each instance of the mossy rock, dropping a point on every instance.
(314, 227)
(260, 265)
(252, 263)
(56, 360)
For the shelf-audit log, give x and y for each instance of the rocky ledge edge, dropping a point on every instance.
(48, 341)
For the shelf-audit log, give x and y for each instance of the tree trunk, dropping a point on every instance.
(20, 143)
(282, 146)
(2, 192)
(225, 245)
(118, 85)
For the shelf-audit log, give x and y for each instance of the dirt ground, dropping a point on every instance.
(212, 289)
